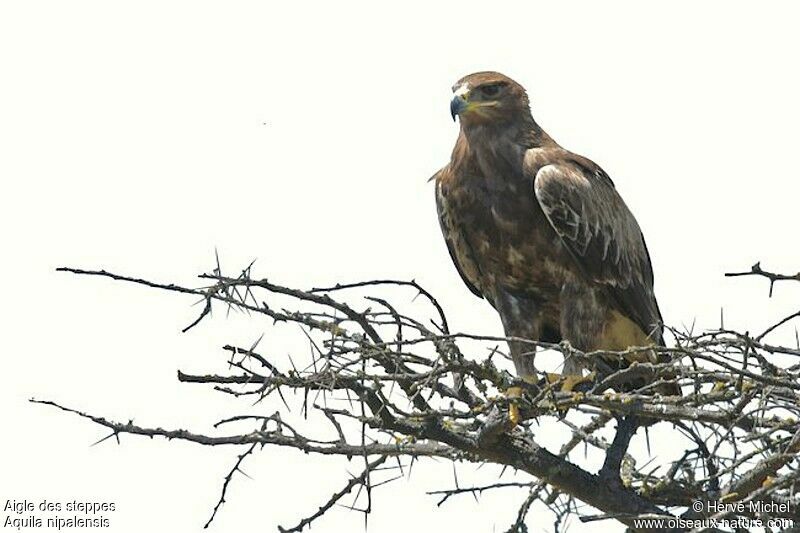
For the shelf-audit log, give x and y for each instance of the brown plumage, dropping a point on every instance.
(540, 232)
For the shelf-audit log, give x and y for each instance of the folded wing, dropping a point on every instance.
(581, 203)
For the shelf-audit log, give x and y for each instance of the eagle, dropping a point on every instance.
(542, 233)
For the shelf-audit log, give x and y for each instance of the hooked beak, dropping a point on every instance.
(460, 101)
(457, 105)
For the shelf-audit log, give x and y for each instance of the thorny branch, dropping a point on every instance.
(756, 270)
(389, 383)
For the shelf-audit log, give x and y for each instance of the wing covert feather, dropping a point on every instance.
(448, 231)
(583, 206)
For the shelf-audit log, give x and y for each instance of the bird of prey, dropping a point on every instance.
(541, 233)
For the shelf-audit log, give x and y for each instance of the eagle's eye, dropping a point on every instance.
(491, 90)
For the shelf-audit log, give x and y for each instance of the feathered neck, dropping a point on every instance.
(508, 140)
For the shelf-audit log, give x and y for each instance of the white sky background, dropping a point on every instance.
(133, 138)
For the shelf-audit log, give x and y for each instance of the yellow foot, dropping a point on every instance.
(514, 394)
(570, 380)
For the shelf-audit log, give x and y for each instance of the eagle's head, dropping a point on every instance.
(486, 98)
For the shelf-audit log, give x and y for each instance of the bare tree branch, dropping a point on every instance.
(378, 381)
